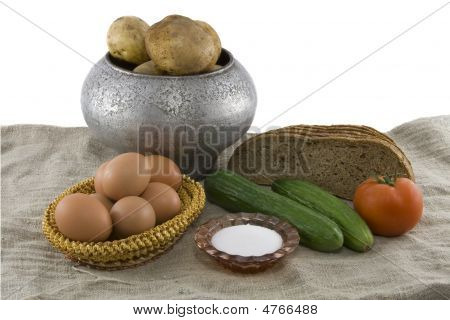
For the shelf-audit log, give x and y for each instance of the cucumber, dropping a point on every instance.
(357, 235)
(237, 194)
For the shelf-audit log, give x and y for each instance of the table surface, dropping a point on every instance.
(39, 162)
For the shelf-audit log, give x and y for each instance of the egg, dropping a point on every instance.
(125, 176)
(132, 215)
(104, 200)
(165, 201)
(98, 180)
(83, 218)
(164, 170)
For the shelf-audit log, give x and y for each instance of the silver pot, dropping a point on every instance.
(189, 119)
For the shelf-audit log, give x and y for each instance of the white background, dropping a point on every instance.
(290, 48)
(327, 309)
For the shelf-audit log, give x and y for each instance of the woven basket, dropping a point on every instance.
(134, 250)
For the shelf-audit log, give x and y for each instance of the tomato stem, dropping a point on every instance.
(386, 180)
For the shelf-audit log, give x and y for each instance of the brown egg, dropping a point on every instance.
(104, 200)
(132, 215)
(164, 200)
(163, 170)
(83, 218)
(98, 180)
(125, 176)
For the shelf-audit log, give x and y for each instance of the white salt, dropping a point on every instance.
(247, 240)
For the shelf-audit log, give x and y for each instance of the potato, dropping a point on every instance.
(216, 39)
(148, 68)
(180, 46)
(125, 39)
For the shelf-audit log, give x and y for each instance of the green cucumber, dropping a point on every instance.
(357, 235)
(237, 194)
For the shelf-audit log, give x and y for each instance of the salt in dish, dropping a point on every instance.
(247, 240)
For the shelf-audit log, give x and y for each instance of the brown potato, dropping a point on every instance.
(180, 46)
(125, 39)
(148, 68)
(217, 43)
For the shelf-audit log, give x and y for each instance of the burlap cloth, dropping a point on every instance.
(38, 162)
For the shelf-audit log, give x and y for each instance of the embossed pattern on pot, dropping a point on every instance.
(123, 109)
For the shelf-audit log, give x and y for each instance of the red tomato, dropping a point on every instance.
(390, 207)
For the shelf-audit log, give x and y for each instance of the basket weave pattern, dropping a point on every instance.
(131, 251)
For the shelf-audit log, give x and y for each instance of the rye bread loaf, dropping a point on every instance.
(341, 131)
(362, 131)
(337, 158)
(338, 130)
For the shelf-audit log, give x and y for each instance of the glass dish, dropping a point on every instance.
(251, 264)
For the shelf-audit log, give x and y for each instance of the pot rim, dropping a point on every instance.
(227, 66)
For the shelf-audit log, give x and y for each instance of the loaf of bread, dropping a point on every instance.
(337, 158)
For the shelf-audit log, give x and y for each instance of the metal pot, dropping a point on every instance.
(189, 119)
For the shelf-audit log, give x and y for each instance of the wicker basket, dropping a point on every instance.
(134, 250)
